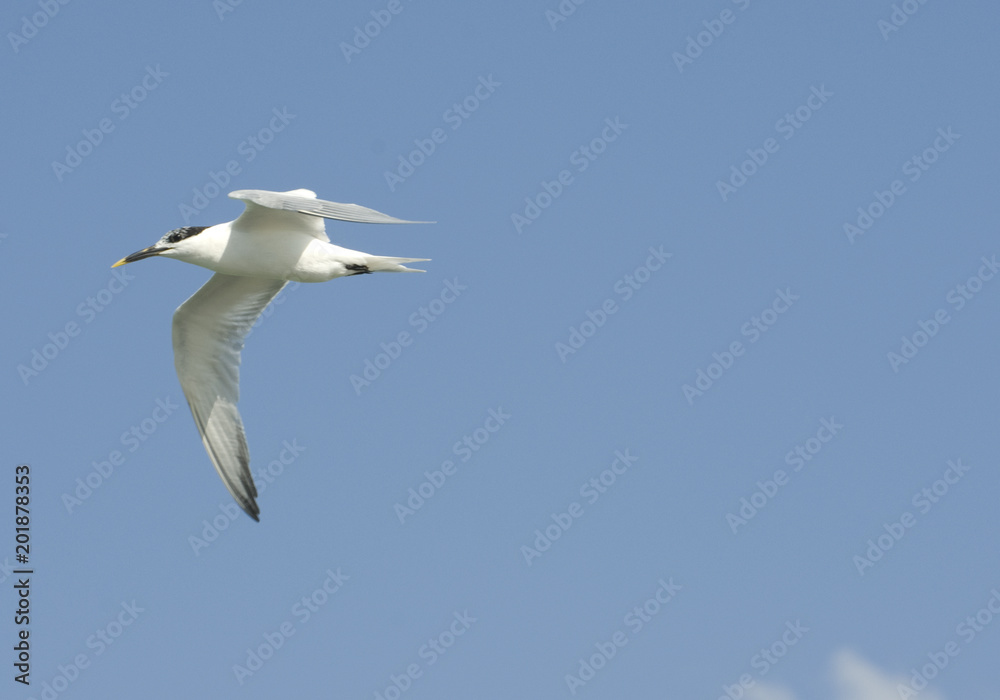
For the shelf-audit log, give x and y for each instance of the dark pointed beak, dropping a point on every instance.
(141, 255)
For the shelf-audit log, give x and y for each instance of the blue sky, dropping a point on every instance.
(696, 399)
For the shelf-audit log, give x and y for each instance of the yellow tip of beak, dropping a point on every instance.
(123, 261)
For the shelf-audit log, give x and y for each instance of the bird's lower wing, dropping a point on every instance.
(208, 332)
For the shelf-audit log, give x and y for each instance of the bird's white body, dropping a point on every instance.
(282, 244)
(291, 256)
(280, 237)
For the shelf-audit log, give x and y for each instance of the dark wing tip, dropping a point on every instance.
(252, 509)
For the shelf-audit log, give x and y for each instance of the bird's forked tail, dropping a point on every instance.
(381, 263)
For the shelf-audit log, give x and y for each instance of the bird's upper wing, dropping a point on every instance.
(277, 207)
(209, 329)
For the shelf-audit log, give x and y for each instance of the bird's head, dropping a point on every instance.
(172, 245)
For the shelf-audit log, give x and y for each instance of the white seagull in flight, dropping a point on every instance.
(280, 237)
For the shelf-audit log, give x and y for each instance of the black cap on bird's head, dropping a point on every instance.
(179, 234)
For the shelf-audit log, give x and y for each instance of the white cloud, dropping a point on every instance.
(853, 679)
(856, 679)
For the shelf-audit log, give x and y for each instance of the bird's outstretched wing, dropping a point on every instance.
(305, 202)
(209, 329)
